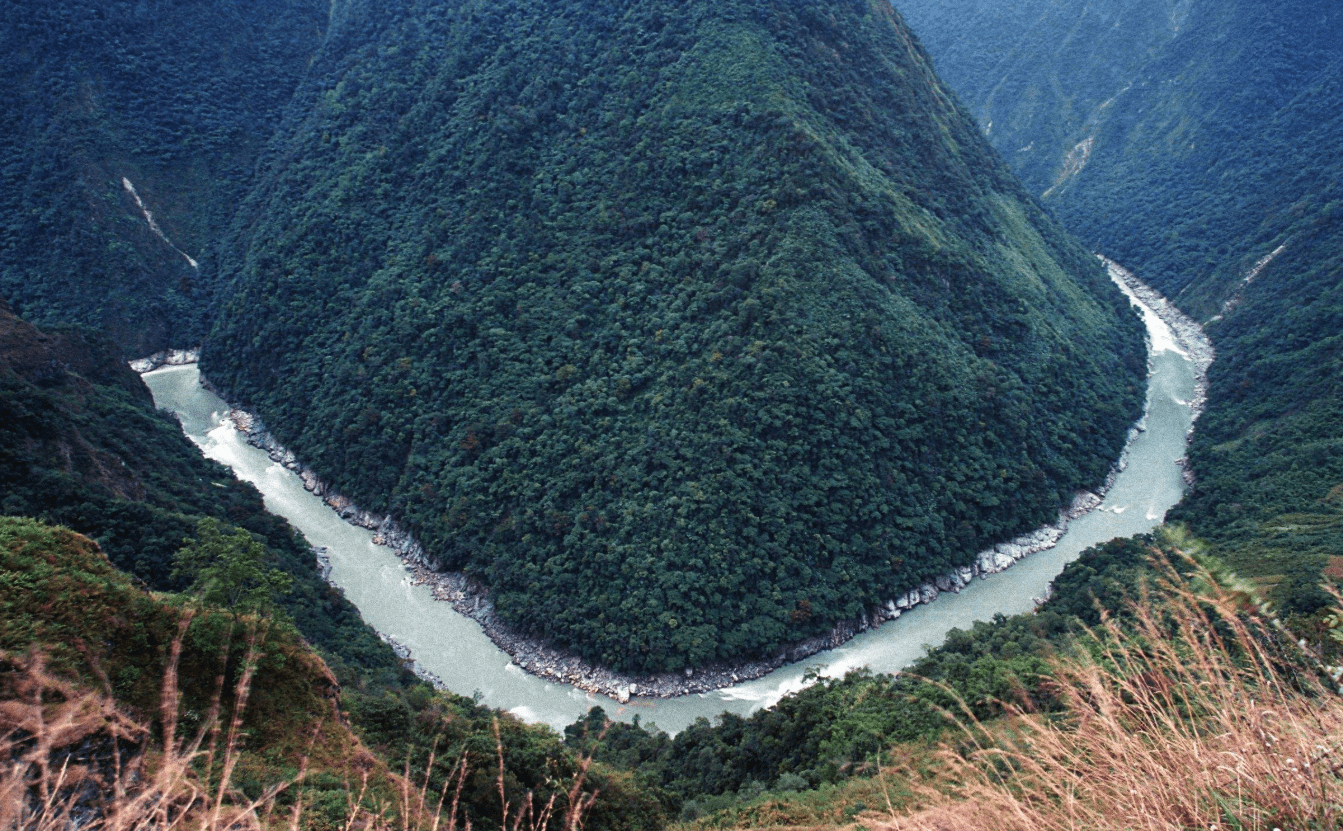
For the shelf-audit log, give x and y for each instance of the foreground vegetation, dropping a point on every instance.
(1169, 692)
(1188, 707)
(133, 708)
(1195, 714)
(841, 728)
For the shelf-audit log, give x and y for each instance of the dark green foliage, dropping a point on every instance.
(228, 569)
(179, 98)
(831, 729)
(1269, 455)
(687, 328)
(1218, 129)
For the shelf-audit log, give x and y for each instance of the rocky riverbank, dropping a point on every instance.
(168, 357)
(472, 600)
(1188, 334)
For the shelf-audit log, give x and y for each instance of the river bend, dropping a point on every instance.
(456, 650)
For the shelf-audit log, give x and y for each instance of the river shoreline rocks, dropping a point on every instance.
(472, 600)
(1188, 334)
(168, 357)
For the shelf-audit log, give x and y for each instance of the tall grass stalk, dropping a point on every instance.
(1189, 716)
(181, 786)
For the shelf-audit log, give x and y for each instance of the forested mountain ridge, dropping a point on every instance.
(110, 108)
(1198, 143)
(689, 329)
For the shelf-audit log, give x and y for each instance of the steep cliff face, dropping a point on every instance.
(689, 328)
(1199, 143)
(128, 132)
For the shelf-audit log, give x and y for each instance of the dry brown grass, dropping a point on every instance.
(1184, 720)
(71, 758)
(45, 723)
(75, 759)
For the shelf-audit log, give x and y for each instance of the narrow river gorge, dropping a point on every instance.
(454, 648)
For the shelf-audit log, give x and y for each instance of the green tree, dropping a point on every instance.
(228, 569)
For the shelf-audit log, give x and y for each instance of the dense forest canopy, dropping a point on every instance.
(688, 328)
(1199, 143)
(178, 99)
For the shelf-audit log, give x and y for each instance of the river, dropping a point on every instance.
(454, 648)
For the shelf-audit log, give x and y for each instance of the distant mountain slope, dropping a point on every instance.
(172, 100)
(1038, 74)
(689, 328)
(1185, 136)
(1200, 143)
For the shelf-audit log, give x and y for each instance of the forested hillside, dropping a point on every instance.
(688, 328)
(177, 99)
(1199, 143)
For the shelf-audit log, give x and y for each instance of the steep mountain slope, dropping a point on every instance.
(112, 108)
(1038, 74)
(688, 328)
(1198, 142)
(1181, 134)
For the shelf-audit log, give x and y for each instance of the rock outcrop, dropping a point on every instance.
(169, 357)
